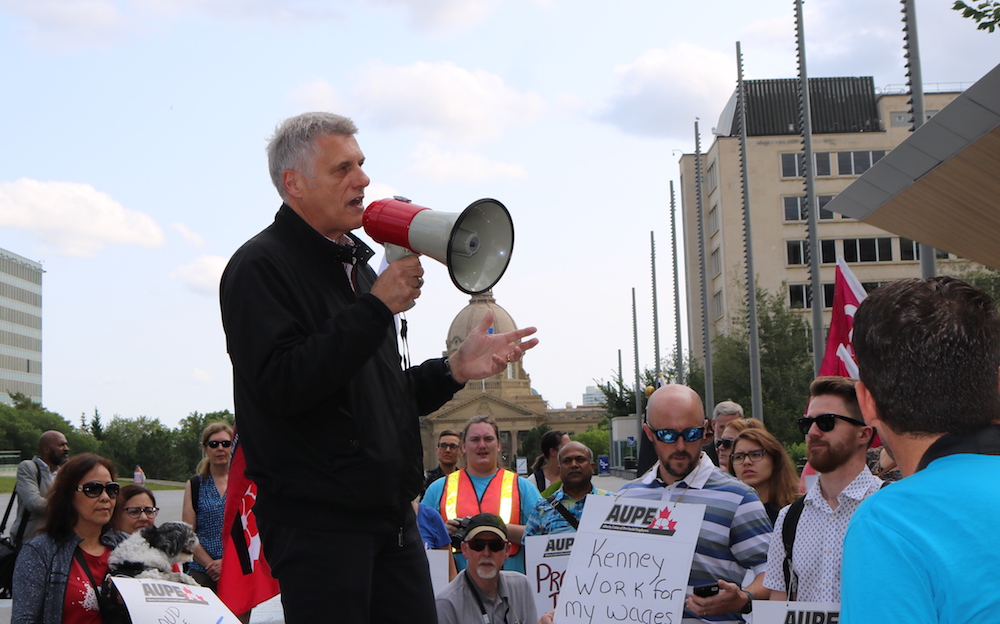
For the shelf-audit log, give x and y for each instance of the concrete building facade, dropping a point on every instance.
(853, 127)
(20, 327)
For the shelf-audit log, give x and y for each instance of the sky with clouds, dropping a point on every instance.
(134, 133)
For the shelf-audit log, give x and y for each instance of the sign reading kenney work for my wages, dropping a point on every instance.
(630, 562)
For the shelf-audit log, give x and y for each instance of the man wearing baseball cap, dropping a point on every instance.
(483, 592)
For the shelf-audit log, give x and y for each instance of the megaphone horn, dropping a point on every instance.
(474, 244)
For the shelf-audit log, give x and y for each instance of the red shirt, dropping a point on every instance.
(80, 605)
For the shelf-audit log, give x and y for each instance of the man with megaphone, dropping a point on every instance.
(327, 419)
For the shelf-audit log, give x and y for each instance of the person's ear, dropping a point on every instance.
(648, 432)
(292, 181)
(867, 404)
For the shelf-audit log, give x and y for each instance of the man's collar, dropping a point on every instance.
(560, 494)
(694, 479)
(320, 243)
(985, 441)
(856, 489)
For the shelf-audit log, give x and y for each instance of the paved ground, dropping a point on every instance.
(169, 502)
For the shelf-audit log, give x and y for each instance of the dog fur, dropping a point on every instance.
(152, 552)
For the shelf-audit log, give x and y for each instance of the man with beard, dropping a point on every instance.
(34, 477)
(561, 512)
(928, 354)
(837, 441)
(735, 531)
(483, 592)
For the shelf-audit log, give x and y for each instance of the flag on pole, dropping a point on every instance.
(847, 296)
(245, 580)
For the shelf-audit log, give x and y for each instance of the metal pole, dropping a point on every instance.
(812, 249)
(757, 402)
(679, 358)
(706, 336)
(656, 315)
(915, 82)
(638, 388)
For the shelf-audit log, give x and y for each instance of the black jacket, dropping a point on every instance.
(327, 419)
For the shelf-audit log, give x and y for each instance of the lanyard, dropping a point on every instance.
(479, 601)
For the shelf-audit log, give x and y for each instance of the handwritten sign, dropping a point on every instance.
(773, 612)
(163, 602)
(546, 558)
(630, 562)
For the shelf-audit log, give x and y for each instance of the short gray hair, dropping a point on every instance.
(727, 407)
(293, 145)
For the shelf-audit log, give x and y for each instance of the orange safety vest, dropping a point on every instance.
(502, 497)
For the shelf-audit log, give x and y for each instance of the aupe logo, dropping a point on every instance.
(640, 519)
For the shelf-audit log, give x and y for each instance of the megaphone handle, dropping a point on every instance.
(396, 252)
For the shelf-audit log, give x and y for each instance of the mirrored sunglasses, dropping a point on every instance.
(133, 512)
(669, 436)
(824, 422)
(93, 489)
(478, 545)
(215, 443)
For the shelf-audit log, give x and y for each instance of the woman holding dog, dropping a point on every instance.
(59, 573)
(205, 501)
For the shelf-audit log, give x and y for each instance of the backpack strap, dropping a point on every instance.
(195, 482)
(573, 522)
(788, 530)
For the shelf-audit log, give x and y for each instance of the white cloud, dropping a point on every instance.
(662, 92)
(445, 16)
(192, 238)
(318, 95)
(379, 190)
(203, 275)
(440, 166)
(201, 375)
(443, 100)
(68, 24)
(74, 219)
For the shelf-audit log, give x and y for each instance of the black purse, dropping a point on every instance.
(9, 549)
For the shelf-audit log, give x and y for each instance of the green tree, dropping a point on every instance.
(22, 423)
(531, 446)
(596, 438)
(147, 442)
(985, 13)
(785, 365)
(982, 277)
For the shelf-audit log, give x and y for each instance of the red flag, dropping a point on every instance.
(847, 296)
(245, 580)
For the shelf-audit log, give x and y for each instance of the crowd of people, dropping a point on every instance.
(311, 335)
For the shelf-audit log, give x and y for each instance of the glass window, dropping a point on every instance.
(797, 296)
(791, 165)
(822, 163)
(825, 214)
(793, 209)
(828, 251)
(795, 252)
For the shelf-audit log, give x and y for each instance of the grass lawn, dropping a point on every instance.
(7, 485)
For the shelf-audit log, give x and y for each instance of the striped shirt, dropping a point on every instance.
(735, 533)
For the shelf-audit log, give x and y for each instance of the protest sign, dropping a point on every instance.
(775, 612)
(438, 562)
(630, 562)
(546, 558)
(163, 602)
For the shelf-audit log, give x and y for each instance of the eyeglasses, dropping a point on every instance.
(447, 446)
(669, 436)
(215, 443)
(93, 489)
(479, 544)
(825, 422)
(724, 443)
(133, 512)
(755, 456)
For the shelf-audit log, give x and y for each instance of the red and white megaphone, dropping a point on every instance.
(474, 244)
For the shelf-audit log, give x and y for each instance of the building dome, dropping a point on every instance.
(472, 315)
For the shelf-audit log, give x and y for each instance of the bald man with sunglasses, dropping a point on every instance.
(837, 441)
(736, 530)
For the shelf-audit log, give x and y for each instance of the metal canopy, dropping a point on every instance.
(941, 186)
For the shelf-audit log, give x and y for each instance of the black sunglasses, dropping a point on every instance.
(215, 443)
(725, 443)
(133, 512)
(479, 544)
(669, 436)
(93, 489)
(825, 422)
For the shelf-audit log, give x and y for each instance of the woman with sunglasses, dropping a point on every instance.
(58, 574)
(136, 509)
(208, 488)
(759, 460)
(724, 445)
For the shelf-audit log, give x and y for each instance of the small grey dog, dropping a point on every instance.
(152, 552)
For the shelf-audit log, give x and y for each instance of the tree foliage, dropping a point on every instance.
(786, 367)
(985, 13)
(596, 438)
(531, 446)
